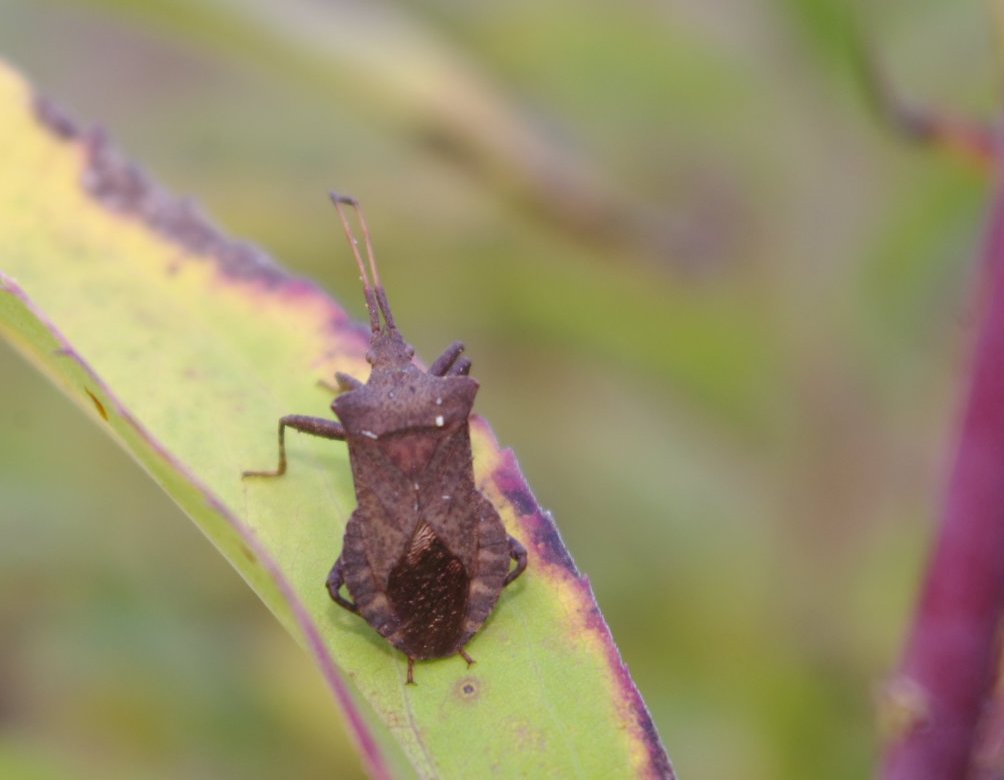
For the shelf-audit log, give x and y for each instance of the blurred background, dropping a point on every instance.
(719, 311)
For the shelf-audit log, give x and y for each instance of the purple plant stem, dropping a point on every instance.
(951, 655)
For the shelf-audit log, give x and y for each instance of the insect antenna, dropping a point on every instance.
(371, 305)
(375, 295)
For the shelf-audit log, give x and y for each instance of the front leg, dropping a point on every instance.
(315, 426)
(461, 368)
(444, 362)
(347, 382)
(343, 383)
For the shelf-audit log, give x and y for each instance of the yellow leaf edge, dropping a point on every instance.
(41, 343)
(504, 483)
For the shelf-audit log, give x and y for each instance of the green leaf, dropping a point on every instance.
(187, 347)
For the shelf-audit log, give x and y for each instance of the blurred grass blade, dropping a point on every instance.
(963, 137)
(951, 656)
(188, 346)
(384, 59)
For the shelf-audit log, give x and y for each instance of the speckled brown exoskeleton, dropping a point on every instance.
(425, 555)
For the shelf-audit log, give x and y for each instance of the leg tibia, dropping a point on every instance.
(315, 426)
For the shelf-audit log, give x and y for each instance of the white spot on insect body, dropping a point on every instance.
(439, 402)
(439, 421)
(369, 435)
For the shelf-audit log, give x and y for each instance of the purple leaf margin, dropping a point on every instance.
(373, 759)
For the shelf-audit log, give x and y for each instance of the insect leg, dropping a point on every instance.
(461, 368)
(333, 389)
(518, 553)
(463, 654)
(442, 364)
(411, 671)
(315, 426)
(343, 383)
(347, 382)
(336, 578)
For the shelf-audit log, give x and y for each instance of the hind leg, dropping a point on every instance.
(336, 578)
(518, 553)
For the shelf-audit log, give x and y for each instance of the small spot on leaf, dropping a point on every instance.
(467, 690)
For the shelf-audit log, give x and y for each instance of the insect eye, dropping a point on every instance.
(411, 351)
(369, 356)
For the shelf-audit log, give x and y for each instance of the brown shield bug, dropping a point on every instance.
(425, 555)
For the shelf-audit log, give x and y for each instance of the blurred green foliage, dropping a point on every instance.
(720, 314)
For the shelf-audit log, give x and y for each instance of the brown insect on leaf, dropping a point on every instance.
(425, 555)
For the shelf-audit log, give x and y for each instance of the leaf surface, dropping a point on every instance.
(188, 346)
